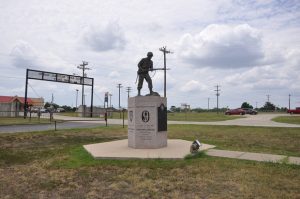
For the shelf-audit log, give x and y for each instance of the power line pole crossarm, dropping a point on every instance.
(128, 89)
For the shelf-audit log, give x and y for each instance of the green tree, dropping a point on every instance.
(269, 107)
(67, 108)
(246, 105)
(48, 104)
(175, 109)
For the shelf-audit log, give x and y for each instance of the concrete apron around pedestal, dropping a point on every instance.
(147, 122)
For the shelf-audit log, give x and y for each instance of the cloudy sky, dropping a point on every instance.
(250, 48)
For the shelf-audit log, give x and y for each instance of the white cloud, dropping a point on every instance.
(105, 37)
(257, 43)
(114, 74)
(23, 55)
(192, 86)
(222, 46)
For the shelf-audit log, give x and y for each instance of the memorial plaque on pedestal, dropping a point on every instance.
(147, 122)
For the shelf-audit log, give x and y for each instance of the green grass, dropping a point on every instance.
(21, 120)
(200, 117)
(285, 141)
(295, 119)
(53, 164)
(70, 114)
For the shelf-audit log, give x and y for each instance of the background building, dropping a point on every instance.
(11, 106)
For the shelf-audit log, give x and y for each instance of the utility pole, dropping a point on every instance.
(119, 86)
(52, 99)
(207, 103)
(165, 51)
(289, 101)
(218, 94)
(268, 96)
(128, 89)
(83, 68)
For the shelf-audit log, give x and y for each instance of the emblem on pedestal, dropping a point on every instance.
(145, 116)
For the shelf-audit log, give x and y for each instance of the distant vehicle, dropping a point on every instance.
(294, 111)
(250, 111)
(34, 110)
(237, 111)
(60, 110)
(42, 110)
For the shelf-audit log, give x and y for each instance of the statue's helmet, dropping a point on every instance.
(149, 54)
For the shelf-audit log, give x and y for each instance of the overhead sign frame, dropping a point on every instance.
(60, 78)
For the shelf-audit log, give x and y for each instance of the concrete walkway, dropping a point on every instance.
(261, 157)
(263, 120)
(176, 149)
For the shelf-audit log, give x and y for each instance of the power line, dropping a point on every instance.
(34, 91)
(12, 77)
(101, 101)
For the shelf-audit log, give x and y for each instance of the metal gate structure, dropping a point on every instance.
(57, 77)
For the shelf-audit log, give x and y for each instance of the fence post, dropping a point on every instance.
(55, 124)
(123, 110)
(105, 117)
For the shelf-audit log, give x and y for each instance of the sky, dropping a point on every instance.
(251, 49)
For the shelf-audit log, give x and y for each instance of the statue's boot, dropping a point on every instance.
(139, 92)
(151, 91)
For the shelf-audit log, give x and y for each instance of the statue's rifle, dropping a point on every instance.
(159, 69)
(153, 69)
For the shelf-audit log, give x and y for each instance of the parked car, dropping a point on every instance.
(237, 111)
(43, 110)
(294, 111)
(250, 111)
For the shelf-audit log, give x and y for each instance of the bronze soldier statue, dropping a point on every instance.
(145, 65)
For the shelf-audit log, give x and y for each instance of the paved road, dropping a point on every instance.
(250, 120)
(44, 127)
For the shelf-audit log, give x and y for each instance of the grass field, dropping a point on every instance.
(284, 141)
(53, 164)
(71, 114)
(295, 119)
(21, 120)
